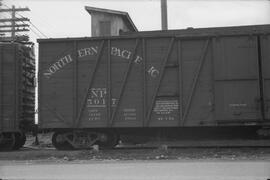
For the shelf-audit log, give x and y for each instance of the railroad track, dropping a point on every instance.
(150, 151)
(183, 144)
(201, 144)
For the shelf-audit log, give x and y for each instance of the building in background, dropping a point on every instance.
(107, 22)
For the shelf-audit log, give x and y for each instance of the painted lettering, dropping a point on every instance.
(58, 65)
(98, 93)
(87, 51)
(121, 53)
(81, 53)
(47, 74)
(114, 51)
(102, 93)
(94, 93)
(97, 97)
(138, 60)
(153, 72)
(93, 50)
(62, 61)
(68, 59)
(114, 102)
(52, 69)
(126, 54)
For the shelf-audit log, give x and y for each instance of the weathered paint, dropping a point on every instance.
(157, 81)
(91, 51)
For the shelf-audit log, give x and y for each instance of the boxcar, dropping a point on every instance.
(91, 90)
(17, 94)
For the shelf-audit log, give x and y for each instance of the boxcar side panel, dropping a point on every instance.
(237, 89)
(162, 107)
(92, 107)
(154, 81)
(265, 64)
(126, 86)
(197, 81)
(87, 54)
(56, 96)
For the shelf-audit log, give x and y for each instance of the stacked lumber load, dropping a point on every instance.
(27, 86)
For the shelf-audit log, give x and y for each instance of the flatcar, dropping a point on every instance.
(17, 94)
(94, 90)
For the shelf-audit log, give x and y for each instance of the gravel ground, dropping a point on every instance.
(141, 154)
(45, 152)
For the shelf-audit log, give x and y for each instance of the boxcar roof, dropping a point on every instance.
(180, 33)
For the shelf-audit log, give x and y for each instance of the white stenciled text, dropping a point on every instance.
(91, 51)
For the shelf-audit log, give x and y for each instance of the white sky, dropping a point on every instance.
(67, 18)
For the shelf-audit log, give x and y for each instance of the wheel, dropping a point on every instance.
(23, 140)
(108, 140)
(59, 141)
(8, 141)
(20, 139)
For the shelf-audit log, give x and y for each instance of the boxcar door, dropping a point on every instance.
(236, 78)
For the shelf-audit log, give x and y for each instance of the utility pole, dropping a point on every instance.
(1, 34)
(13, 16)
(13, 25)
(164, 19)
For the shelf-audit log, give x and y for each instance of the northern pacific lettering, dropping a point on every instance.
(90, 51)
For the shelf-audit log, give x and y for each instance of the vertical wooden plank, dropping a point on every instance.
(16, 79)
(260, 78)
(91, 77)
(164, 62)
(75, 81)
(214, 57)
(123, 85)
(19, 84)
(109, 83)
(1, 88)
(180, 81)
(144, 88)
(195, 81)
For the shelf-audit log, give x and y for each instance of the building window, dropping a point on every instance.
(105, 28)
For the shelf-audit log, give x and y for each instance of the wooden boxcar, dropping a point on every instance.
(17, 94)
(91, 90)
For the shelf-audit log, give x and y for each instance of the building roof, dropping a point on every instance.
(123, 14)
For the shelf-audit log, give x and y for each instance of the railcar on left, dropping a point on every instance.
(17, 94)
